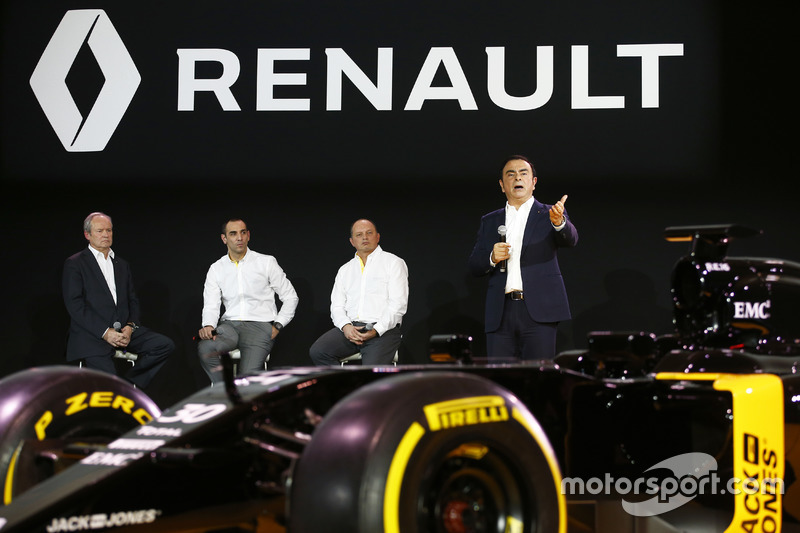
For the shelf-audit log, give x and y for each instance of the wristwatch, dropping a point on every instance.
(132, 325)
(277, 325)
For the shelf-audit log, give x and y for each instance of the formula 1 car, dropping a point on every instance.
(693, 431)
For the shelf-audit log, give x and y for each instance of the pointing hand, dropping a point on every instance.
(557, 211)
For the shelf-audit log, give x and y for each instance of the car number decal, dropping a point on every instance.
(192, 413)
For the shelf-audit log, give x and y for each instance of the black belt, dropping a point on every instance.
(515, 295)
(358, 324)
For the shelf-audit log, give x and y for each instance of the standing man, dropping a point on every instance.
(246, 283)
(104, 310)
(368, 301)
(526, 297)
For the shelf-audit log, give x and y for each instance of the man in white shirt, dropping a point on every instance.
(368, 301)
(246, 283)
(526, 297)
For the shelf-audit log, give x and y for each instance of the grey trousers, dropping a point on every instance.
(253, 339)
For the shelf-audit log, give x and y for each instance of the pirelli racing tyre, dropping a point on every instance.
(428, 453)
(44, 409)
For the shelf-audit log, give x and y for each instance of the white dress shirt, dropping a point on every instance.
(377, 293)
(107, 268)
(516, 220)
(247, 289)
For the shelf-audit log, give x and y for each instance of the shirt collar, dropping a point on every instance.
(524, 207)
(376, 251)
(228, 255)
(99, 255)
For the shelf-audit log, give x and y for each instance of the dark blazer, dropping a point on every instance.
(91, 306)
(545, 294)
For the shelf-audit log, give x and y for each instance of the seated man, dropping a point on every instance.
(104, 309)
(246, 283)
(368, 301)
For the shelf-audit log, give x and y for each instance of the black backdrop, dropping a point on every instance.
(716, 149)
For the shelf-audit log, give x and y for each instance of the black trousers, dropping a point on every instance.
(521, 337)
(152, 348)
(333, 346)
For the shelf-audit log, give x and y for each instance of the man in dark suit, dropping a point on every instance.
(526, 297)
(101, 301)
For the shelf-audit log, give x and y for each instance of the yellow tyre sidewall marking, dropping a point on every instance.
(75, 404)
(9, 484)
(541, 439)
(394, 481)
(415, 432)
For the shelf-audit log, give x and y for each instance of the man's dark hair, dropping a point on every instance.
(225, 224)
(515, 157)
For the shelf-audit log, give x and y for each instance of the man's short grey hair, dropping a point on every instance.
(87, 222)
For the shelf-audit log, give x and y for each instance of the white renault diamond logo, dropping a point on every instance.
(90, 133)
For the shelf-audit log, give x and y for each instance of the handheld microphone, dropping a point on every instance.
(501, 230)
(197, 337)
(118, 328)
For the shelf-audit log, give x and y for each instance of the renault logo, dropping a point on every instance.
(92, 132)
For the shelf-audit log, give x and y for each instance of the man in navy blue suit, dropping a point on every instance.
(101, 301)
(526, 297)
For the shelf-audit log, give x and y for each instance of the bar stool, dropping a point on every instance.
(129, 357)
(119, 355)
(236, 355)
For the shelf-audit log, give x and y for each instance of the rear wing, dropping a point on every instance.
(710, 241)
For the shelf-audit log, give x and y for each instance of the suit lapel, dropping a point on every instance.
(534, 218)
(119, 275)
(500, 218)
